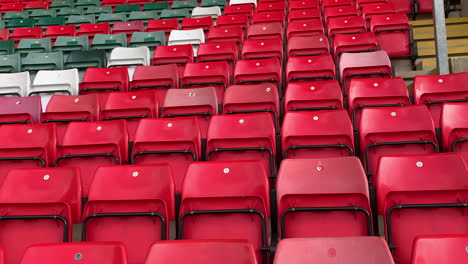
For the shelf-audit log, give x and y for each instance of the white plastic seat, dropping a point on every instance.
(14, 84)
(243, 2)
(181, 37)
(213, 11)
(48, 83)
(138, 56)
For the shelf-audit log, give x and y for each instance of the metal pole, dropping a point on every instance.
(440, 37)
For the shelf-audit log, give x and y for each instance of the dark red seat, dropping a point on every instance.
(308, 46)
(24, 110)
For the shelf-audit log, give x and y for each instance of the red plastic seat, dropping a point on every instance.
(421, 195)
(88, 145)
(25, 33)
(308, 46)
(131, 107)
(269, 17)
(402, 6)
(207, 74)
(57, 31)
(198, 251)
(305, 28)
(112, 2)
(311, 96)
(242, 20)
(375, 93)
(262, 48)
(179, 55)
(368, 10)
(38, 206)
(244, 9)
(4, 34)
(304, 15)
(205, 23)
(24, 110)
(454, 128)
(435, 90)
(165, 25)
(345, 25)
(36, 4)
(252, 98)
(212, 209)
(199, 102)
(334, 3)
(219, 51)
(103, 81)
(265, 31)
(271, 6)
(317, 134)
(362, 3)
(395, 130)
(306, 68)
(91, 30)
(393, 33)
(157, 78)
(63, 109)
(354, 42)
(177, 142)
(423, 6)
(323, 197)
(440, 249)
(11, 7)
(246, 136)
(128, 28)
(302, 4)
(258, 71)
(95, 252)
(28, 146)
(334, 250)
(233, 33)
(374, 64)
(340, 11)
(132, 204)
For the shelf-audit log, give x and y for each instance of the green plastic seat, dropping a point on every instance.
(34, 45)
(7, 47)
(50, 21)
(174, 13)
(143, 15)
(114, 17)
(20, 23)
(67, 11)
(97, 10)
(109, 41)
(156, 6)
(10, 15)
(2, 24)
(43, 61)
(61, 4)
(150, 39)
(86, 3)
(208, 3)
(10, 63)
(86, 19)
(126, 8)
(37, 13)
(71, 43)
(184, 4)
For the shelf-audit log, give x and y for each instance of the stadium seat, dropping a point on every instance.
(262, 48)
(132, 204)
(198, 251)
(421, 7)
(11, 7)
(10, 63)
(245, 136)
(212, 11)
(50, 82)
(303, 15)
(84, 59)
(20, 23)
(91, 30)
(241, 6)
(180, 55)
(344, 25)
(63, 109)
(306, 68)
(308, 46)
(80, 20)
(67, 44)
(157, 78)
(371, 9)
(205, 23)
(177, 143)
(300, 4)
(374, 64)
(103, 81)
(166, 25)
(242, 20)
(207, 74)
(130, 106)
(7, 47)
(74, 12)
(24, 110)
(156, 6)
(252, 98)
(421, 195)
(128, 28)
(439, 249)
(313, 96)
(329, 133)
(323, 197)
(60, 4)
(38, 13)
(265, 31)
(112, 3)
(184, 4)
(183, 37)
(232, 33)
(4, 34)
(21, 33)
(394, 131)
(305, 28)
(97, 10)
(178, 14)
(129, 57)
(333, 3)
(269, 17)
(454, 127)
(13, 14)
(219, 51)
(208, 3)
(28, 146)
(35, 5)
(88, 145)
(126, 8)
(212, 209)
(435, 90)
(333, 250)
(38, 206)
(99, 252)
(259, 71)
(271, 6)
(145, 16)
(108, 42)
(354, 42)
(26, 46)
(87, 3)
(50, 21)
(149, 39)
(14, 84)
(56, 31)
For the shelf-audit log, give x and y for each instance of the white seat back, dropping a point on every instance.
(14, 84)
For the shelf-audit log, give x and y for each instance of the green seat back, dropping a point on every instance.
(10, 63)
(150, 39)
(43, 61)
(156, 6)
(50, 21)
(37, 13)
(10, 15)
(7, 47)
(109, 41)
(143, 15)
(114, 17)
(86, 19)
(87, 3)
(97, 10)
(126, 8)
(184, 4)
(174, 13)
(60, 4)
(2, 24)
(71, 43)
(208, 3)
(67, 11)
(20, 23)
(34, 45)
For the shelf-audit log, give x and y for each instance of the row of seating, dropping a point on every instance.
(231, 200)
